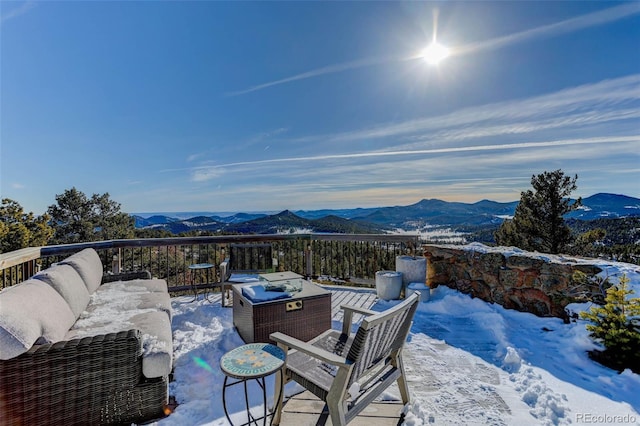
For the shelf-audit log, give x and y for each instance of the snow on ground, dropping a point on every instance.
(537, 367)
(468, 362)
(431, 233)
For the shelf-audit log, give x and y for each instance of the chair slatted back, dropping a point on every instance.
(380, 335)
(250, 257)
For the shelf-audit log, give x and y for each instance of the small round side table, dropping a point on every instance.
(201, 267)
(252, 361)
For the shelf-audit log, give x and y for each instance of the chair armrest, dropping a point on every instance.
(288, 342)
(358, 310)
(225, 273)
(349, 310)
(126, 276)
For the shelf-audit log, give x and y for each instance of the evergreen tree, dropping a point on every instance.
(617, 326)
(110, 222)
(19, 229)
(538, 223)
(76, 218)
(156, 233)
(589, 243)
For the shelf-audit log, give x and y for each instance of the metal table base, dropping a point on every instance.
(254, 361)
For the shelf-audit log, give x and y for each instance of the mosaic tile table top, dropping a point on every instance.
(252, 361)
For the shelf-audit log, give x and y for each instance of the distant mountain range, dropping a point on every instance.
(381, 219)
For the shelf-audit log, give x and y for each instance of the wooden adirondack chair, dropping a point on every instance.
(331, 363)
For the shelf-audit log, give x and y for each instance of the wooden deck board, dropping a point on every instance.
(305, 409)
(349, 296)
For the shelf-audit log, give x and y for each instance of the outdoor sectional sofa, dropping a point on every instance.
(77, 347)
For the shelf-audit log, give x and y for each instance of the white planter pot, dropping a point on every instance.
(388, 284)
(425, 291)
(414, 269)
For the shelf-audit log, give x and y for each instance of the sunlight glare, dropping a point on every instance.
(435, 53)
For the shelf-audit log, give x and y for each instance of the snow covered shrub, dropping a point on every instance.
(590, 288)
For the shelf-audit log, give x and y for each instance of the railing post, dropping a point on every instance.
(308, 257)
(31, 270)
(116, 263)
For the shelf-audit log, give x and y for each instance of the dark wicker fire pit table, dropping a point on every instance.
(304, 315)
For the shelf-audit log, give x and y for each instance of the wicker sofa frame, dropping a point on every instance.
(92, 380)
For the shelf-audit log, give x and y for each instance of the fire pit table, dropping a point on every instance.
(303, 314)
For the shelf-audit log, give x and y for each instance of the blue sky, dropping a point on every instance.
(266, 106)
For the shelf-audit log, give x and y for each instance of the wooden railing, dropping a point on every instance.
(341, 256)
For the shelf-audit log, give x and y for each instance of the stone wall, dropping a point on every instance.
(529, 282)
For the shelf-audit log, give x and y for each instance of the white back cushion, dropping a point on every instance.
(31, 312)
(68, 283)
(88, 264)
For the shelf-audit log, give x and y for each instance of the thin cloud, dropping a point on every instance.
(203, 174)
(207, 172)
(595, 105)
(197, 155)
(477, 131)
(268, 135)
(569, 25)
(600, 97)
(22, 9)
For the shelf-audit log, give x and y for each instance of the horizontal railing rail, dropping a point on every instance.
(335, 256)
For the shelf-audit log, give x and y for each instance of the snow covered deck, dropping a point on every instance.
(305, 409)
(498, 367)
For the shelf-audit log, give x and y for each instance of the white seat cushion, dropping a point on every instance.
(153, 285)
(124, 297)
(157, 344)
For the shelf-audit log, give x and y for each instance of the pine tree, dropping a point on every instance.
(589, 243)
(77, 218)
(19, 229)
(617, 326)
(538, 223)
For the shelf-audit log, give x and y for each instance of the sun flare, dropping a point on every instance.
(435, 53)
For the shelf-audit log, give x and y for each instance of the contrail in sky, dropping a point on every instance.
(24, 8)
(330, 69)
(523, 145)
(569, 25)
